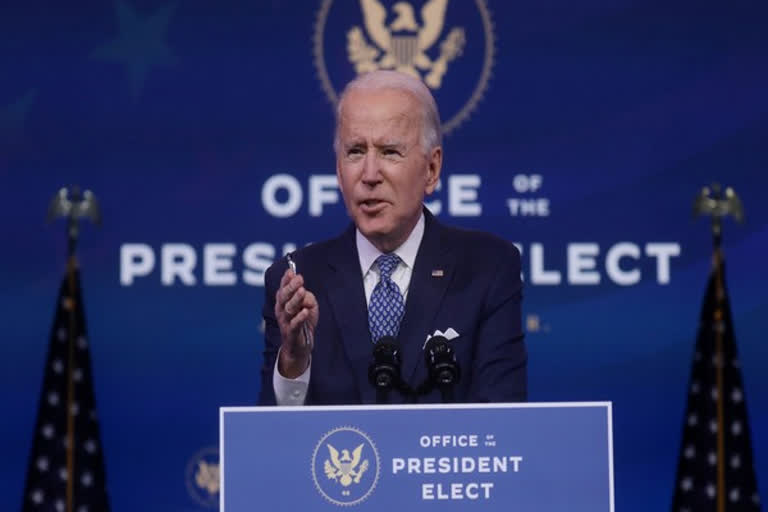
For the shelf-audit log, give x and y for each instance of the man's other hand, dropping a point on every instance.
(294, 305)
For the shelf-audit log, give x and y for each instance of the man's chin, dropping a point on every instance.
(375, 230)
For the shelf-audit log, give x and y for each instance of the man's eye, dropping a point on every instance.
(391, 152)
(355, 151)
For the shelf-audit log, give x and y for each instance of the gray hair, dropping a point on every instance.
(431, 133)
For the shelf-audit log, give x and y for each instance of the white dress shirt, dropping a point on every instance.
(294, 391)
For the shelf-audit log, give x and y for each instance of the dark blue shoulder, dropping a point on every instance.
(478, 243)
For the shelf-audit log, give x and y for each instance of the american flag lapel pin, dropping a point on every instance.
(438, 272)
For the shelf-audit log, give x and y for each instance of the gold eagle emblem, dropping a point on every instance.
(207, 476)
(344, 469)
(402, 45)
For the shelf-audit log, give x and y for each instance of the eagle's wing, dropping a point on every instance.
(360, 52)
(334, 457)
(330, 472)
(356, 456)
(701, 203)
(203, 476)
(433, 17)
(89, 207)
(734, 204)
(59, 206)
(375, 17)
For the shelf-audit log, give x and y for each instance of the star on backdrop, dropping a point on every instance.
(140, 44)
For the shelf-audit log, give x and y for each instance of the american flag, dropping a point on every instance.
(60, 479)
(715, 471)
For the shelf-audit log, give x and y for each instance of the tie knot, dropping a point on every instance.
(387, 264)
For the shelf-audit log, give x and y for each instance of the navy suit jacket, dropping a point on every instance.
(478, 294)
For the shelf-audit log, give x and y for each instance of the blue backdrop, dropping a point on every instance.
(580, 130)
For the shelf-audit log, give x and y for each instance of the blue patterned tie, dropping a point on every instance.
(386, 307)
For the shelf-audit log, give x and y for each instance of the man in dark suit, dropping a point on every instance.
(396, 271)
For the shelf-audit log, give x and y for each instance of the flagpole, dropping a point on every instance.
(71, 268)
(716, 204)
(719, 363)
(72, 205)
(72, 235)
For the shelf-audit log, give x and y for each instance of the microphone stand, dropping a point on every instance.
(382, 396)
(384, 369)
(443, 371)
(446, 394)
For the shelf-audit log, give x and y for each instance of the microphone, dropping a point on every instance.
(384, 370)
(443, 369)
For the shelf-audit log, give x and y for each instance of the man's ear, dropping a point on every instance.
(434, 166)
(338, 170)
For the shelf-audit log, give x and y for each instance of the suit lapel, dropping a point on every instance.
(347, 298)
(425, 294)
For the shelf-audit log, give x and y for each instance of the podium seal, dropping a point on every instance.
(345, 466)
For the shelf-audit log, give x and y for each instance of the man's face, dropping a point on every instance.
(383, 171)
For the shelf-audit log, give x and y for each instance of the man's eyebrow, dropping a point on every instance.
(354, 143)
(393, 144)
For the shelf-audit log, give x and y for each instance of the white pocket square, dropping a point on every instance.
(449, 334)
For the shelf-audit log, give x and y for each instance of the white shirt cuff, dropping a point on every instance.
(290, 391)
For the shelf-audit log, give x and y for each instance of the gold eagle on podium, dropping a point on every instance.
(343, 468)
(402, 45)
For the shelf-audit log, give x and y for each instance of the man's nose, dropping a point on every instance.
(371, 170)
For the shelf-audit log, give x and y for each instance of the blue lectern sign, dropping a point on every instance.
(491, 457)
